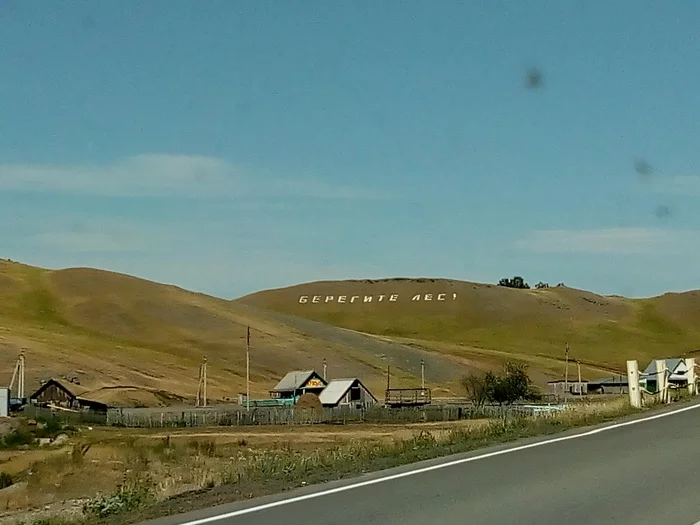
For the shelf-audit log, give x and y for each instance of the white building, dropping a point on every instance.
(676, 373)
(4, 402)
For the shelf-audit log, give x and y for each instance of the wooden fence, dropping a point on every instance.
(71, 418)
(212, 416)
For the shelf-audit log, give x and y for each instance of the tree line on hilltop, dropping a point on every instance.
(519, 283)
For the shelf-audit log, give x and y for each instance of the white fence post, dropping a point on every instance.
(661, 380)
(690, 365)
(633, 384)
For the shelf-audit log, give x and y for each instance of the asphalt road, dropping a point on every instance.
(646, 473)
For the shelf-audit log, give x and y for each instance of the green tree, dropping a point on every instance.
(514, 385)
(479, 387)
(515, 282)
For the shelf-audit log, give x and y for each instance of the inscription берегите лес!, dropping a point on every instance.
(391, 298)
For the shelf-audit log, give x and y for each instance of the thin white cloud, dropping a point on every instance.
(320, 189)
(168, 175)
(611, 241)
(676, 184)
(87, 242)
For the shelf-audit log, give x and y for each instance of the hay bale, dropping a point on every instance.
(308, 400)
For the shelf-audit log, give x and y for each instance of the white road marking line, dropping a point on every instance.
(391, 477)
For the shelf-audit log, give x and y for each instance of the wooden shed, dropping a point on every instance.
(53, 393)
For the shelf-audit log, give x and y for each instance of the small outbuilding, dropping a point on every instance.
(563, 387)
(4, 402)
(609, 385)
(347, 393)
(297, 383)
(54, 394)
(676, 369)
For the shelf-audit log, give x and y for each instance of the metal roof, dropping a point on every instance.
(671, 365)
(73, 390)
(337, 388)
(613, 381)
(294, 380)
(335, 391)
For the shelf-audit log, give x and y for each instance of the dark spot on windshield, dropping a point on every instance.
(663, 212)
(643, 168)
(533, 78)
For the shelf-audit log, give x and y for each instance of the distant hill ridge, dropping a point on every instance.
(600, 329)
(131, 340)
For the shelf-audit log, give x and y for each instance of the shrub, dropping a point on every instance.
(123, 500)
(17, 438)
(52, 428)
(5, 480)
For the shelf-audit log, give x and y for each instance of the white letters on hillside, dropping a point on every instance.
(392, 298)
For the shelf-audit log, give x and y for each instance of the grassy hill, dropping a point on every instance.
(479, 320)
(131, 341)
(135, 342)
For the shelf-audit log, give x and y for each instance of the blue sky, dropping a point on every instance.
(232, 146)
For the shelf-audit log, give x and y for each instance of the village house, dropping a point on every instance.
(297, 383)
(346, 393)
(54, 394)
(676, 370)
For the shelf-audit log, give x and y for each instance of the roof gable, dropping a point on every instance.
(337, 389)
(297, 379)
(57, 384)
(671, 365)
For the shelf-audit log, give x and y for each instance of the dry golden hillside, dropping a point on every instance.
(135, 342)
(601, 331)
(131, 341)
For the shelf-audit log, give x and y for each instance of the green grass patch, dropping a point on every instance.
(651, 322)
(39, 304)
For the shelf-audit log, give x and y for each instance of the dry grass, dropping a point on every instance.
(132, 471)
(114, 330)
(602, 331)
(138, 343)
(98, 462)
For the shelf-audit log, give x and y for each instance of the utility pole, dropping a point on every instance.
(21, 377)
(202, 388)
(325, 368)
(578, 365)
(204, 374)
(18, 375)
(566, 371)
(247, 369)
(422, 373)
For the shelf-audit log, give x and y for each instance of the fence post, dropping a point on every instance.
(633, 381)
(690, 365)
(661, 383)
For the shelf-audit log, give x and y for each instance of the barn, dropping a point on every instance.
(54, 394)
(347, 393)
